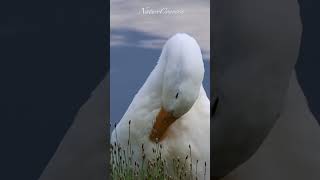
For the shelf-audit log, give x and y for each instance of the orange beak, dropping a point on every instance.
(163, 120)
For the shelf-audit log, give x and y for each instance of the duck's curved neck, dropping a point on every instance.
(148, 98)
(153, 83)
(149, 95)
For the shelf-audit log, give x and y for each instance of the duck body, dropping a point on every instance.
(190, 128)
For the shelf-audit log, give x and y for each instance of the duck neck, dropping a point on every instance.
(149, 95)
(153, 84)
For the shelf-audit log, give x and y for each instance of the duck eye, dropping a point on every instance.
(177, 95)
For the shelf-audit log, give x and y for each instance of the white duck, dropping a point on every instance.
(171, 107)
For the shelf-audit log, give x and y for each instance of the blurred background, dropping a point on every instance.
(137, 37)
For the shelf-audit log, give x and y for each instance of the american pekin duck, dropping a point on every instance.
(171, 109)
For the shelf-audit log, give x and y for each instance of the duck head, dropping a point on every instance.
(182, 77)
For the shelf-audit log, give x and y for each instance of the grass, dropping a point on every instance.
(155, 167)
